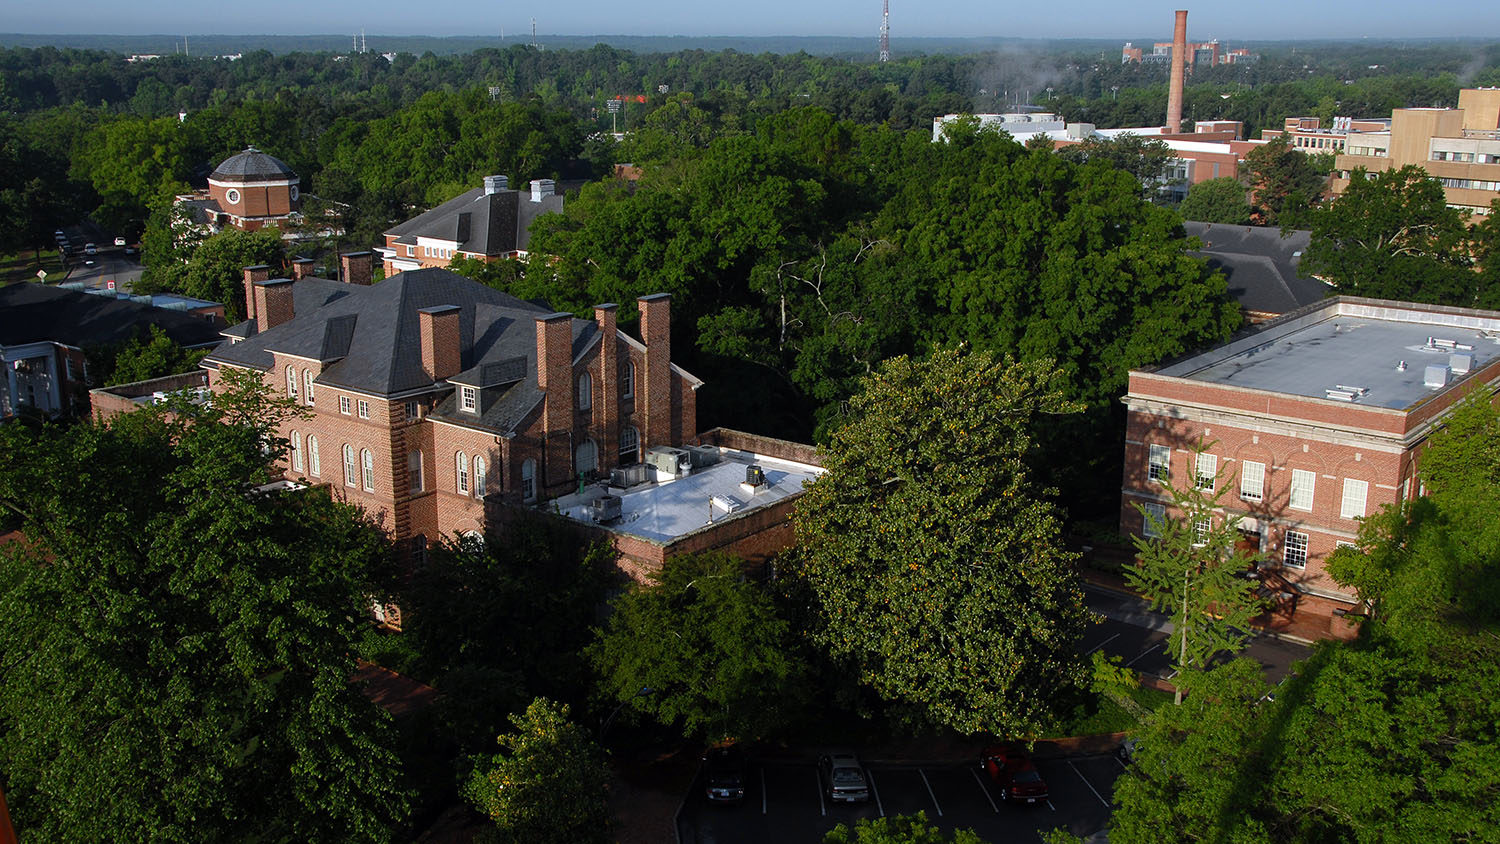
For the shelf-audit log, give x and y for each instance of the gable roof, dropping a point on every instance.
(1262, 265)
(481, 223)
(33, 313)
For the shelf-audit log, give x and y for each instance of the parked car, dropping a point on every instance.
(843, 778)
(131, 250)
(724, 774)
(119, 241)
(1129, 748)
(90, 249)
(1014, 773)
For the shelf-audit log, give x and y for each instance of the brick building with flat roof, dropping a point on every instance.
(1314, 420)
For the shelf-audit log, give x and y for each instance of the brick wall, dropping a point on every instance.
(757, 444)
(108, 402)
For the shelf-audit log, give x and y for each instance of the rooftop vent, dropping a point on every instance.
(495, 184)
(605, 508)
(1460, 364)
(1435, 377)
(1439, 344)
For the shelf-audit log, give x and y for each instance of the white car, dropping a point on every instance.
(119, 241)
(843, 778)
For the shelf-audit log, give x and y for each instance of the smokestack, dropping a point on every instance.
(1179, 69)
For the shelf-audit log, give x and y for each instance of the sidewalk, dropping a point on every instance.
(1303, 628)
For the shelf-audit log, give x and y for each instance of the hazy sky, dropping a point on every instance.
(1024, 18)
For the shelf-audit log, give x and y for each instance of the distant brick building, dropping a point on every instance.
(1314, 421)
(431, 395)
(487, 223)
(248, 191)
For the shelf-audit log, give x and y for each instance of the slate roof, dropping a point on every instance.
(481, 223)
(34, 313)
(1262, 266)
(250, 166)
(369, 340)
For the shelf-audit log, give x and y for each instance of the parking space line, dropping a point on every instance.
(1087, 783)
(875, 791)
(818, 781)
(930, 793)
(1144, 654)
(1103, 643)
(762, 790)
(1050, 806)
(986, 791)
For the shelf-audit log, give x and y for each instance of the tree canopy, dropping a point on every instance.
(178, 645)
(1217, 201)
(932, 561)
(1284, 183)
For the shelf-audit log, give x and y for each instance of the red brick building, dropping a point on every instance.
(1314, 420)
(487, 223)
(249, 191)
(431, 396)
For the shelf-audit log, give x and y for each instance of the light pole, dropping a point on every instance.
(604, 728)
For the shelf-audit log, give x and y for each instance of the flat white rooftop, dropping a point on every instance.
(662, 512)
(1360, 351)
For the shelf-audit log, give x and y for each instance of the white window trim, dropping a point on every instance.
(468, 399)
(367, 469)
(528, 480)
(346, 406)
(585, 391)
(296, 452)
(1351, 485)
(461, 468)
(1158, 470)
(364, 409)
(1257, 490)
(1152, 509)
(314, 460)
(1286, 549)
(481, 475)
(1201, 529)
(416, 474)
(307, 382)
(1311, 487)
(627, 386)
(1206, 471)
(351, 469)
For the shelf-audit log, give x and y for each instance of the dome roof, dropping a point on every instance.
(252, 165)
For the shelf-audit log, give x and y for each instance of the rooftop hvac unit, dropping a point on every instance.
(605, 508)
(626, 477)
(1435, 376)
(670, 461)
(1460, 364)
(703, 455)
(755, 476)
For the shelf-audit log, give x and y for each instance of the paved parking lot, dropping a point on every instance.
(784, 802)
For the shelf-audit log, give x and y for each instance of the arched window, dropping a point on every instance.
(350, 476)
(528, 480)
(461, 464)
(307, 385)
(586, 458)
(296, 452)
(367, 465)
(585, 391)
(314, 462)
(291, 383)
(627, 380)
(479, 476)
(630, 445)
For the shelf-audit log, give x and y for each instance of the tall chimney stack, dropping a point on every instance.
(1179, 69)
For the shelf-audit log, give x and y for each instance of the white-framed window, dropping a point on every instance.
(630, 445)
(585, 391)
(1208, 471)
(1252, 480)
(296, 452)
(461, 465)
(528, 480)
(419, 550)
(1152, 519)
(307, 385)
(232, 196)
(1355, 492)
(414, 471)
(364, 409)
(586, 457)
(1201, 529)
(468, 399)
(413, 411)
(1303, 485)
(314, 462)
(627, 380)
(367, 465)
(351, 476)
(480, 477)
(1159, 468)
(291, 383)
(345, 406)
(1294, 554)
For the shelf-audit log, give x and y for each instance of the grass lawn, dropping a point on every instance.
(22, 266)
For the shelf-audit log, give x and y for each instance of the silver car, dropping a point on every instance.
(843, 778)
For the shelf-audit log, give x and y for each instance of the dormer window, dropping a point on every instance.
(468, 399)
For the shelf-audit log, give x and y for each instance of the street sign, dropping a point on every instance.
(41, 274)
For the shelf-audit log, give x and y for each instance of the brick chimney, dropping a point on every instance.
(273, 303)
(442, 352)
(554, 376)
(259, 272)
(607, 408)
(1179, 70)
(301, 268)
(656, 386)
(358, 267)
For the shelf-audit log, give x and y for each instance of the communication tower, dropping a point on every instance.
(885, 32)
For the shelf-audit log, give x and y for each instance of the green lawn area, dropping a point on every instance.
(23, 266)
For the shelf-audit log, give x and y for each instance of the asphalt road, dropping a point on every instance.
(110, 265)
(785, 803)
